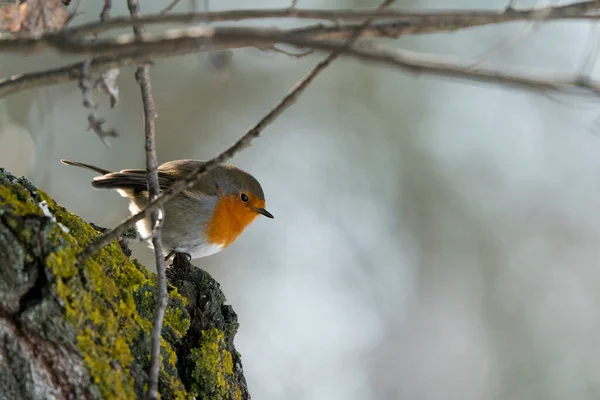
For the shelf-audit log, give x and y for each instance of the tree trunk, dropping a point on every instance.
(83, 332)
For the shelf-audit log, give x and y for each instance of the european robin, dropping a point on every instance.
(201, 220)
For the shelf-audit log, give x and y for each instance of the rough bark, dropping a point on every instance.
(71, 332)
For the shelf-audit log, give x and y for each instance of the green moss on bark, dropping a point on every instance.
(108, 303)
(98, 300)
(213, 365)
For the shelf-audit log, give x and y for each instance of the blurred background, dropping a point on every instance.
(432, 239)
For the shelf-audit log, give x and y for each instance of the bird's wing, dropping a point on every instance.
(168, 173)
(134, 179)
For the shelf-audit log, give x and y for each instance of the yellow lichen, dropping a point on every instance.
(174, 318)
(238, 393)
(19, 200)
(213, 366)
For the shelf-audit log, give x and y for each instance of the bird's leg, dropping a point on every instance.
(173, 254)
(181, 259)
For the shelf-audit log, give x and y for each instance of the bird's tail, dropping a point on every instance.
(86, 166)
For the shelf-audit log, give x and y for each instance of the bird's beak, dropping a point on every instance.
(264, 212)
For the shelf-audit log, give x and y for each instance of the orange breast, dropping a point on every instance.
(229, 220)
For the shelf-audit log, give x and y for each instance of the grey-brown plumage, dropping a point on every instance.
(188, 215)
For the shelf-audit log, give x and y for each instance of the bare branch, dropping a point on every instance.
(159, 47)
(177, 41)
(70, 41)
(185, 42)
(142, 76)
(411, 22)
(335, 54)
(55, 76)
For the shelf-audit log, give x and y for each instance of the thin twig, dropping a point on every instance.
(275, 49)
(142, 76)
(420, 63)
(244, 142)
(105, 14)
(69, 40)
(175, 40)
(170, 7)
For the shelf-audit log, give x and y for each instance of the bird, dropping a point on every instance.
(200, 221)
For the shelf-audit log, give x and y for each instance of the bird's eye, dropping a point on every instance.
(244, 197)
